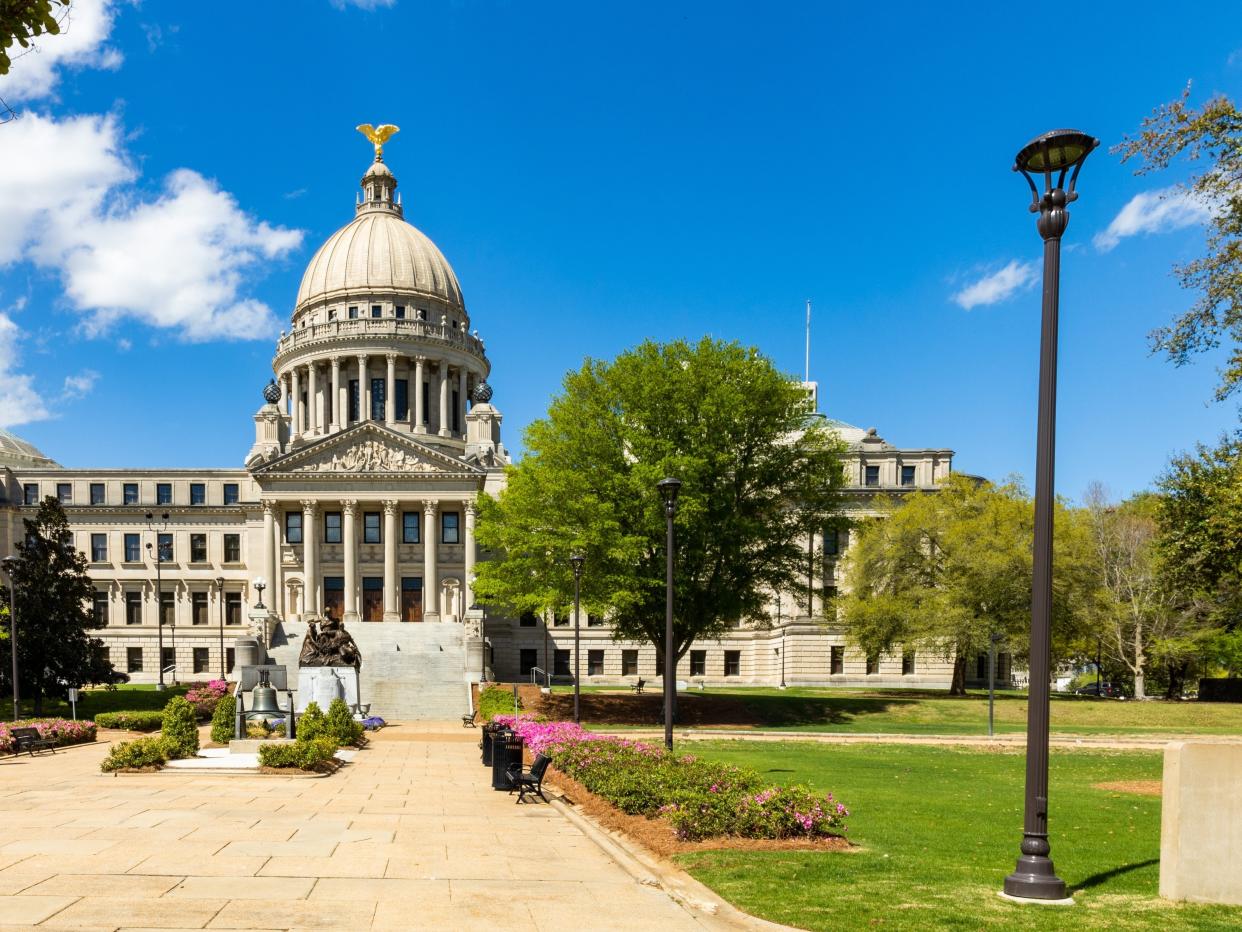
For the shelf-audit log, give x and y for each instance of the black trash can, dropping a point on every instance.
(506, 755)
(492, 733)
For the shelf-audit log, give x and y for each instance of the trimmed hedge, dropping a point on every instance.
(180, 729)
(314, 754)
(139, 754)
(222, 720)
(312, 723)
(341, 726)
(496, 700)
(131, 721)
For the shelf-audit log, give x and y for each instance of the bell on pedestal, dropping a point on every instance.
(263, 704)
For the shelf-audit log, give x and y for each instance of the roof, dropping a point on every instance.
(16, 452)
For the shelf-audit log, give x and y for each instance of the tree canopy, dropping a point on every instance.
(23, 20)
(758, 469)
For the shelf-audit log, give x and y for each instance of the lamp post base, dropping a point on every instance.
(1035, 879)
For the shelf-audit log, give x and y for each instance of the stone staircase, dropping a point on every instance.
(409, 671)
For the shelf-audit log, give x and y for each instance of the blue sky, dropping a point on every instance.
(600, 174)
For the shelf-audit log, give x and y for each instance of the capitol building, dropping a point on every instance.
(375, 437)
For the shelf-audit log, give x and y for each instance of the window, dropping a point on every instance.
(231, 496)
(456, 412)
(163, 493)
(198, 608)
(99, 548)
(595, 663)
(133, 550)
(228, 659)
(400, 312)
(133, 659)
(129, 493)
(528, 659)
(97, 493)
(165, 544)
(371, 527)
(354, 406)
(409, 527)
(830, 593)
(733, 663)
(331, 313)
(378, 388)
(595, 621)
(201, 660)
(873, 664)
(353, 313)
(698, 663)
(198, 548)
(331, 527)
(837, 660)
(448, 527)
(426, 402)
(560, 621)
(64, 493)
(843, 539)
(832, 544)
(907, 662)
(168, 608)
(528, 620)
(377, 310)
(168, 658)
(560, 662)
(198, 493)
(401, 388)
(293, 527)
(133, 608)
(421, 313)
(871, 476)
(629, 663)
(981, 667)
(232, 608)
(907, 475)
(232, 548)
(100, 608)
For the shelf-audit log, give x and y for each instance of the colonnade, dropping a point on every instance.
(325, 409)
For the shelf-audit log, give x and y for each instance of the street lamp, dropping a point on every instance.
(1058, 153)
(668, 492)
(224, 666)
(159, 592)
(577, 560)
(9, 563)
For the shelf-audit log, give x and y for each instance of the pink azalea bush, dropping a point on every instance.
(701, 799)
(61, 731)
(205, 698)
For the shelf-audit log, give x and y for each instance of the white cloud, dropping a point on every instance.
(20, 403)
(363, 4)
(77, 386)
(998, 285)
(84, 31)
(179, 261)
(1156, 211)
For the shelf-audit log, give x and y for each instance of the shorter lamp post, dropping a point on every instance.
(577, 560)
(9, 563)
(224, 664)
(668, 492)
(259, 585)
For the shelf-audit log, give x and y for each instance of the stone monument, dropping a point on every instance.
(328, 665)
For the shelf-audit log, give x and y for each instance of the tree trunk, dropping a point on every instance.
(958, 686)
(1139, 663)
(1140, 689)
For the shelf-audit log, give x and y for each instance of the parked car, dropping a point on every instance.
(1106, 690)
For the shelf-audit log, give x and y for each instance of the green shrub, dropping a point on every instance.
(180, 728)
(496, 700)
(151, 751)
(131, 721)
(312, 724)
(341, 726)
(302, 755)
(222, 720)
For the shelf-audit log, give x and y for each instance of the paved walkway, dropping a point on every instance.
(409, 836)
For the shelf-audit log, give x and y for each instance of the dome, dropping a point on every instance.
(16, 452)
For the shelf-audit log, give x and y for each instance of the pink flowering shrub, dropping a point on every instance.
(206, 698)
(699, 798)
(61, 731)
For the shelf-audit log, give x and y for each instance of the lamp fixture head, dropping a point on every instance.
(1059, 152)
(668, 490)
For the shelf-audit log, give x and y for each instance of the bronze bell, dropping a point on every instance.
(263, 704)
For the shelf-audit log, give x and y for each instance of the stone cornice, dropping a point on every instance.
(286, 466)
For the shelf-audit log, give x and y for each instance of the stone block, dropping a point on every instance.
(323, 684)
(1201, 822)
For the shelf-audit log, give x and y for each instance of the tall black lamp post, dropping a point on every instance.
(9, 563)
(224, 664)
(577, 560)
(159, 592)
(1059, 153)
(668, 492)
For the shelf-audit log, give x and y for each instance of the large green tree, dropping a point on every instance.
(23, 20)
(758, 469)
(1209, 138)
(944, 571)
(55, 650)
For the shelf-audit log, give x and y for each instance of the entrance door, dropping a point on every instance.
(372, 598)
(334, 596)
(412, 598)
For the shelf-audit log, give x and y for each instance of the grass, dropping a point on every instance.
(896, 711)
(127, 698)
(938, 830)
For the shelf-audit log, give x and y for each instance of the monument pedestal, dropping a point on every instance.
(476, 647)
(323, 684)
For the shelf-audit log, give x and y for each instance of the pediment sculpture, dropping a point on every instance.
(367, 456)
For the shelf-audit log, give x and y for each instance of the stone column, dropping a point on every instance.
(390, 392)
(461, 399)
(431, 584)
(444, 399)
(269, 549)
(312, 398)
(420, 402)
(467, 590)
(284, 394)
(295, 432)
(364, 410)
(277, 582)
(337, 394)
(350, 536)
(390, 562)
(310, 562)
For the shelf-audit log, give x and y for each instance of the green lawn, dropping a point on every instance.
(938, 830)
(126, 698)
(917, 712)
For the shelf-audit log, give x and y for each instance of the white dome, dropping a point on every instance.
(378, 252)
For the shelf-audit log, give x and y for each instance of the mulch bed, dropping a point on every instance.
(657, 836)
(1138, 787)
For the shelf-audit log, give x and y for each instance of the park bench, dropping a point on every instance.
(470, 719)
(638, 687)
(530, 781)
(29, 740)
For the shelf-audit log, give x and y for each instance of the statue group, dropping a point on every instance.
(328, 644)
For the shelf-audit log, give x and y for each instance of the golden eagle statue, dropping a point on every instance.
(378, 136)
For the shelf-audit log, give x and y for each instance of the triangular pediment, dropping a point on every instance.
(367, 449)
